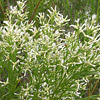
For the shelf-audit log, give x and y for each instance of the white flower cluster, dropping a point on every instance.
(40, 64)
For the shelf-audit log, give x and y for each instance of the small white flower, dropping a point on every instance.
(94, 17)
(4, 83)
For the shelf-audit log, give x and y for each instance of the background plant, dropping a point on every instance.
(73, 8)
(38, 64)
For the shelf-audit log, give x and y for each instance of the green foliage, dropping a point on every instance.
(38, 64)
(73, 8)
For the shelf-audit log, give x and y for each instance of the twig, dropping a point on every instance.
(34, 12)
(95, 86)
(8, 4)
(15, 1)
(2, 9)
(89, 93)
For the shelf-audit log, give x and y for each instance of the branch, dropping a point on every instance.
(8, 4)
(2, 9)
(95, 86)
(34, 12)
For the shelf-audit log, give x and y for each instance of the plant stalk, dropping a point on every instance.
(34, 12)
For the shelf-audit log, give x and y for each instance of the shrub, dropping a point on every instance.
(38, 64)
